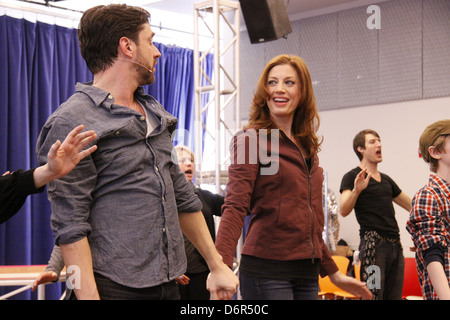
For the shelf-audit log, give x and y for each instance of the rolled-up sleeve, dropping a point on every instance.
(425, 223)
(70, 196)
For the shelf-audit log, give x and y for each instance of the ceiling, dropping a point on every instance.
(295, 8)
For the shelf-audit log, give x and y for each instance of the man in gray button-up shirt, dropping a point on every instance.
(118, 214)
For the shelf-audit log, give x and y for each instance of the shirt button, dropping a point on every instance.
(110, 97)
(117, 133)
(156, 168)
(164, 230)
(142, 118)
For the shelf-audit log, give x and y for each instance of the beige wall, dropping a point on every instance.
(399, 126)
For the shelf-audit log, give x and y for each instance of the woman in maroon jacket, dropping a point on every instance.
(275, 174)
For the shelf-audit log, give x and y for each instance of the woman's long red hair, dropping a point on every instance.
(306, 117)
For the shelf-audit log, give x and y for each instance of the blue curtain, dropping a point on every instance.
(174, 88)
(40, 65)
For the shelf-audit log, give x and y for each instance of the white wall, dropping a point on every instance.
(399, 126)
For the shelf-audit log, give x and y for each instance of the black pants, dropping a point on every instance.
(391, 265)
(110, 290)
(196, 289)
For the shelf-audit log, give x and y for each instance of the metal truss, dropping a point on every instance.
(222, 92)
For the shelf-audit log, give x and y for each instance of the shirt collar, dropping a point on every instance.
(96, 94)
(100, 97)
(444, 185)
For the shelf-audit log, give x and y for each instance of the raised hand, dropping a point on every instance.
(63, 157)
(362, 181)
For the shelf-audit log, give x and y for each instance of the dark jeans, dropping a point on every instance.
(389, 258)
(110, 290)
(274, 289)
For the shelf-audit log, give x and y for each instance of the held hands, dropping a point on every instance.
(222, 283)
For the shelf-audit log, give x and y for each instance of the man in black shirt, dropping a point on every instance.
(370, 193)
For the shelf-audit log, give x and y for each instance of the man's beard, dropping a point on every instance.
(145, 76)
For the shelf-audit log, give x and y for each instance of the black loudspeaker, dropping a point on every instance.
(266, 20)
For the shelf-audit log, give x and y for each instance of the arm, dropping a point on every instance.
(56, 262)
(14, 189)
(61, 159)
(242, 174)
(215, 201)
(428, 231)
(349, 197)
(327, 264)
(222, 282)
(71, 199)
(404, 201)
(439, 280)
(78, 254)
(348, 201)
(53, 269)
(351, 285)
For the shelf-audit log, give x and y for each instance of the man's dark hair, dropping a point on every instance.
(360, 141)
(101, 28)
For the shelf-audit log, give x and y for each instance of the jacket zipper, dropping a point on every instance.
(313, 257)
(312, 212)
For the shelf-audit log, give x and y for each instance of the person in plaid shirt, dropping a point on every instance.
(429, 221)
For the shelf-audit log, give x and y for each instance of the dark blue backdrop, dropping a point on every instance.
(40, 65)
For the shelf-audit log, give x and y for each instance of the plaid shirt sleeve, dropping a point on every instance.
(426, 222)
(428, 225)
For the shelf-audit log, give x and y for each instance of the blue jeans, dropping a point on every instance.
(275, 289)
